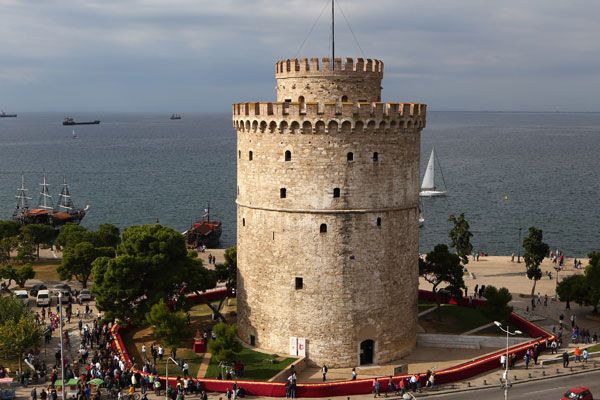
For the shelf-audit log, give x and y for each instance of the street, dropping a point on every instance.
(545, 389)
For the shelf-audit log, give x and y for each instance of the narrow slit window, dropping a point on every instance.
(288, 155)
(336, 192)
(323, 228)
(299, 283)
(378, 221)
(239, 154)
(243, 221)
(250, 155)
(375, 157)
(350, 156)
(282, 193)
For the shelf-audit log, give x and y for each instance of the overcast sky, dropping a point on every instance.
(203, 55)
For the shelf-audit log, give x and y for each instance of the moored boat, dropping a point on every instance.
(204, 231)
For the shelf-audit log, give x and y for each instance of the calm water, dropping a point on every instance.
(135, 169)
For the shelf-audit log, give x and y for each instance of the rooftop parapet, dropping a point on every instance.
(266, 110)
(314, 67)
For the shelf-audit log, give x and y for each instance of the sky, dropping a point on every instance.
(204, 55)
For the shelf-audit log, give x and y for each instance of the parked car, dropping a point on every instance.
(578, 393)
(85, 295)
(62, 286)
(43, 298)
(66, 295)
(22, 295)
(36, 288)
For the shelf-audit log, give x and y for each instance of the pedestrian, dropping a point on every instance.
(475, 290)
(34, 393)
(324, 372)
(353, 374)
(375, 388)
(553, 347)
(431, 380)
(161, 352)
(572, 321)
(577, 354)
(585, 354)
(565, 358)
(502, 361)
(527, 358)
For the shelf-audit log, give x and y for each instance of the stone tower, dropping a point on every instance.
(327, 215)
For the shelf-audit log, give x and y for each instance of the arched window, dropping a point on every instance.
(250, 155)
(378, 221)
(344, 99)
(282, 193)
(336, 192)
(350, 156)
(288, 155)
(375, 157)
(323, 228)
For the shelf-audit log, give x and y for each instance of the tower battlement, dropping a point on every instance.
(294, 67)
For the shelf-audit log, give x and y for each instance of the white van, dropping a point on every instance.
(22, 295)
(43, 298)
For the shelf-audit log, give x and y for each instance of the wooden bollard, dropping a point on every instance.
(484, 382)
(529, 374)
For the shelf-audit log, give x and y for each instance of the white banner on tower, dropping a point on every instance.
(293, 346)
(302, 347)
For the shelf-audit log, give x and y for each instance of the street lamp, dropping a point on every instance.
(167, 376)
(519, 247)
(505, 375)
(62, 348)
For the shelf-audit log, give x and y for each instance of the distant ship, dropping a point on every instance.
(71, 121)
(175, 116)
(5, 115)
(204, 231)
(45, 213)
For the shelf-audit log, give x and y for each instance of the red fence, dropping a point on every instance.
(364, 386)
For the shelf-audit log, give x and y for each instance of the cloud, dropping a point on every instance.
(470, 51)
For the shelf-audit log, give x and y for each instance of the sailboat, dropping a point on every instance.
(428, 187)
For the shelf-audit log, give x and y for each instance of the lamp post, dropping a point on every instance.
(62, 348)
(167, 376)
(505, 375)
(519, 246)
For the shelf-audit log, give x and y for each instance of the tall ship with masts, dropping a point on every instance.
(45, 212)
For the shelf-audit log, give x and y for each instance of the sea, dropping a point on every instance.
(505, 171)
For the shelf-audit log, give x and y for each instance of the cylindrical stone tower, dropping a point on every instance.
(327, 215)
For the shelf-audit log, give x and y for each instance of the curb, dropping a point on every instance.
(520, 382)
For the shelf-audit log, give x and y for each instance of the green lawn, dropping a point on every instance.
(593, 348)
(453, 319)
(257, 365)
(425, 305)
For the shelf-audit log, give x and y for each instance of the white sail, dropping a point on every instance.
(428, 179)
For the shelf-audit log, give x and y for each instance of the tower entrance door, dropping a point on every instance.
(367, 348)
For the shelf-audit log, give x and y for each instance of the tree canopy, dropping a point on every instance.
(77, 261)
(460, 237)
(226, 346)
(583, 289)
(441, 266)
(37, 235)
(19, 331)
(227, 272)
(168, 325)
(534, 252)
(152, 263)
(496, 305)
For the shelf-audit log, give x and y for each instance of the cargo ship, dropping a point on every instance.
(45, 212)
(204, 231)
(5, 115)
(175, 116)
(70, 121)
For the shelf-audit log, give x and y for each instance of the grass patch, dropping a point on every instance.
(425, 305)
(45, 270)
(453, 319)
(257, 365)
(593, 348)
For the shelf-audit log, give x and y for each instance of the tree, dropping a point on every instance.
(534, 252)
(9, 232)
(107, 235)
(169, 326)
(70, 234)
(227, 272)
(496, 305)
(19, 331)
(573, 288)
(460, 237)
(7, 272)
(77, 261)
(152, 263)
(592, 277)
(25, 252)
(38, 234)
(9, 229)
(22, 274)
(18, 336)
(441, 266)
(226, 346)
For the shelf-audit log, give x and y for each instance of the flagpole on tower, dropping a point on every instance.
(332, 35)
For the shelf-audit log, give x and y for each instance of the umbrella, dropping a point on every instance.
(73, 382)
(96, 382)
